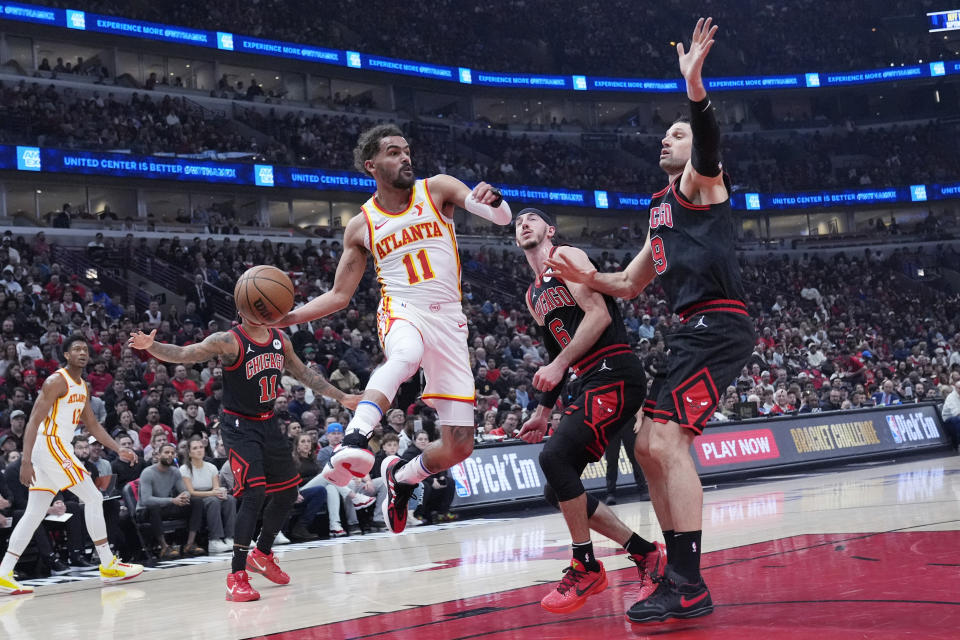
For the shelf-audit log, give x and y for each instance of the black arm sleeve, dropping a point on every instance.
(705, 155)
(549, 398)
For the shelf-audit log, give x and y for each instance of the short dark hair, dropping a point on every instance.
(165, 445)
(684, 119)
(368, 144)
(74, 338)
(389, 437)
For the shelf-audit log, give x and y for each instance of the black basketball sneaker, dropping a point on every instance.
(398, 495)
(673, 598)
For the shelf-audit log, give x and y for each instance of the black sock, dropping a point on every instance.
(668, 542)
(637, 546)
(686, 555)
(239, 558)
(583, 551)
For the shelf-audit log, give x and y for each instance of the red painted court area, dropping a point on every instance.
(884, 585)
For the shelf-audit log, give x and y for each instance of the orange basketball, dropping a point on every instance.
(263, 294)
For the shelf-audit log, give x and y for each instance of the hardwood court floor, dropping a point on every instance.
(866, 553)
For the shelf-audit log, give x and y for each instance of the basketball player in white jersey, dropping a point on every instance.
(407, 226)
(48, 466)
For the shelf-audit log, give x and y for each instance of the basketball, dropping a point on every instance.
(263, 294)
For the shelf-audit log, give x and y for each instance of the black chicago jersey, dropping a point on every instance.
(250, 384)
(693, 251)
(554, 306)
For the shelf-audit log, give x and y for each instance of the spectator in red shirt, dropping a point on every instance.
(99, 379)
(153, 420)
(508, 426)
(181, 382)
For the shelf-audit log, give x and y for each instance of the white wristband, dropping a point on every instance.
(500, 215)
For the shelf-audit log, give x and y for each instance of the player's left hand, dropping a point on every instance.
(547, 377)
(141, 340)
(351, 400)
(128, 456)
(533, 429)
(570, 266)
(691, 62)
(486, 193)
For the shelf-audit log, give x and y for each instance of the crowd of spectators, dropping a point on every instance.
(841, 157)
(835, 333)
(616, 38)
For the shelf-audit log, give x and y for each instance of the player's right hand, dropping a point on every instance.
(27, 474)
(533, 430)
(141, 340)
(570, 266)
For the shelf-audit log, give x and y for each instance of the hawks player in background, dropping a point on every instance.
(583, 332)
(48, 466)
(690, 246)
(254, 358)
(407, 225)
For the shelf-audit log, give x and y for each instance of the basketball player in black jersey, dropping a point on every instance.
(254, 358)
(583, 332)
(690, 246)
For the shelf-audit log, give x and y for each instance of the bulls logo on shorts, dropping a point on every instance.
(696, 399)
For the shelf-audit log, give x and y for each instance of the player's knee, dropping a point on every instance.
(253, 498)
(561, 474)
(551, 496)
(667, 442)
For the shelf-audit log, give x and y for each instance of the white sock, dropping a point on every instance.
(414, 472)
(368, 414)
(8, 563)
(106, 556)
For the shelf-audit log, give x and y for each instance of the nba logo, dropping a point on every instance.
(894, 429)
(461, 481)
(263, 175)
(28, 158)
(224, 41)
(76, 19)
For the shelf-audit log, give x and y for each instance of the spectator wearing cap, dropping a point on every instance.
(344, 379)
(8, 443)
(18, 422)
(298, 404)
(887, 396)
(646, 330)
(31, 384)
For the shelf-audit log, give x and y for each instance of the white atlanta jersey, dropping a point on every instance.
(414, 251)
(55, 465)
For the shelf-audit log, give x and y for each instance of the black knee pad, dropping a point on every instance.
(551, 496)
(561, 470)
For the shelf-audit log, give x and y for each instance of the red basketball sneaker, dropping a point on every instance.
(577, 585)
(266, 565)
(398, 495)
(239, 589)
(651, 566)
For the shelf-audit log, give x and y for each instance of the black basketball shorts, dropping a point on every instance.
(606, 400)
(705, 354)
(260, 455)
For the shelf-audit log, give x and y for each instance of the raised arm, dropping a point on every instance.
(574, 267)
(353, 262)
(703, 176)
(313, 379)
(221, 344)
(53, 387)
(484, 200)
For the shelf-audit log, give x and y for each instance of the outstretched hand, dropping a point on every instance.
(533, 430)
(570, 266)
(141, 340)
(691, 62)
